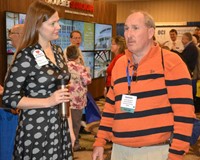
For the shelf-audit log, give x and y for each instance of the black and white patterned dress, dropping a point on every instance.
(41, 134)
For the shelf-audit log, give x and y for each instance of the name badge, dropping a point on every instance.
(40, 57)
(128, 103)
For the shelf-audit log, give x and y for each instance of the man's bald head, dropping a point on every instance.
(15, 34)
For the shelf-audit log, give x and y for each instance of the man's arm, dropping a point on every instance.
(178, 83)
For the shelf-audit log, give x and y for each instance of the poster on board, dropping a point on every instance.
(162, 33)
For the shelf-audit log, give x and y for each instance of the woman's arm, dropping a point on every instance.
(59, 96)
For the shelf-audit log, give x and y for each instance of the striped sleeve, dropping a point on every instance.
(105, 129)
(179, 88)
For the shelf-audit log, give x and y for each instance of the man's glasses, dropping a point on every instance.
(75, 38)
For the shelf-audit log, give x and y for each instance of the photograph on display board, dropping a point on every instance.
(12, 19)
(64, 34)
(88, 36)
(101, 62)
(163, 37)
(103, 35)
(89, 61)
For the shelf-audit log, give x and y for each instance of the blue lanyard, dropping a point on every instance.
(128, 78)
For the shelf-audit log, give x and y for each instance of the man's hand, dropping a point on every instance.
(97, 153)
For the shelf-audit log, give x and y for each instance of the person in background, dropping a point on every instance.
(80, 78)
(8, 129)
(190, 52)
(15, 34)
(196, 78)
(174, 44)
(118, 46)
(76, 39)
(197, 32)
(150, 99)
(31, 86)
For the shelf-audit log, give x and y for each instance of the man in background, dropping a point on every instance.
(15, 34)
(76, 39)
(9, 118)
(77, 113)
(174, 45)
(190, 52)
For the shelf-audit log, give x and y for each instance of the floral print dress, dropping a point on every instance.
(80, 78)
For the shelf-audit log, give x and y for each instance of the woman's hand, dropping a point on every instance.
(59, 96)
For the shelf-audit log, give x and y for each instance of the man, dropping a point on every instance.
(76, 39)
(9, 121)
(150, 99)
(15, 34)
(174, 44)
(190, 52)
(197, 31)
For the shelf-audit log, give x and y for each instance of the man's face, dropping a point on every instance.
(137, 35)
(173, 36)
(76, 39)
(14, 34)
(185, 40)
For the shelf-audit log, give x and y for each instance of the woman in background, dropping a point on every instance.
(118, 47)
(31, 86)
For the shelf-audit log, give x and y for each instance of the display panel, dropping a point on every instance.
(87, 31)
(101, 61)
(12, 19)
(89, 61)
(103, 35)
(163, 37)
(64, 34)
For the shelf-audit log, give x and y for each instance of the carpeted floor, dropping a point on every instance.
(87, 141)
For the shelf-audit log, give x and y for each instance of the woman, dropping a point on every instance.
(31, 86)
(118, 47)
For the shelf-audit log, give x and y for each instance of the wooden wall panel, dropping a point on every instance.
(162, 10)
(103, 13)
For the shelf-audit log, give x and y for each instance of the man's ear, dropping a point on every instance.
(151, 32)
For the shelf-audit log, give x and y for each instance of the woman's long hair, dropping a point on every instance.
(120, 41)
(38, 12)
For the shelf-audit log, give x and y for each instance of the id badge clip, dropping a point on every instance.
(40, 57)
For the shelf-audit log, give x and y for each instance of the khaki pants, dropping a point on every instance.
(159, 152)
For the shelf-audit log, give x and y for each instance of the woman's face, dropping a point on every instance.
(114, 47)
(49, 29)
